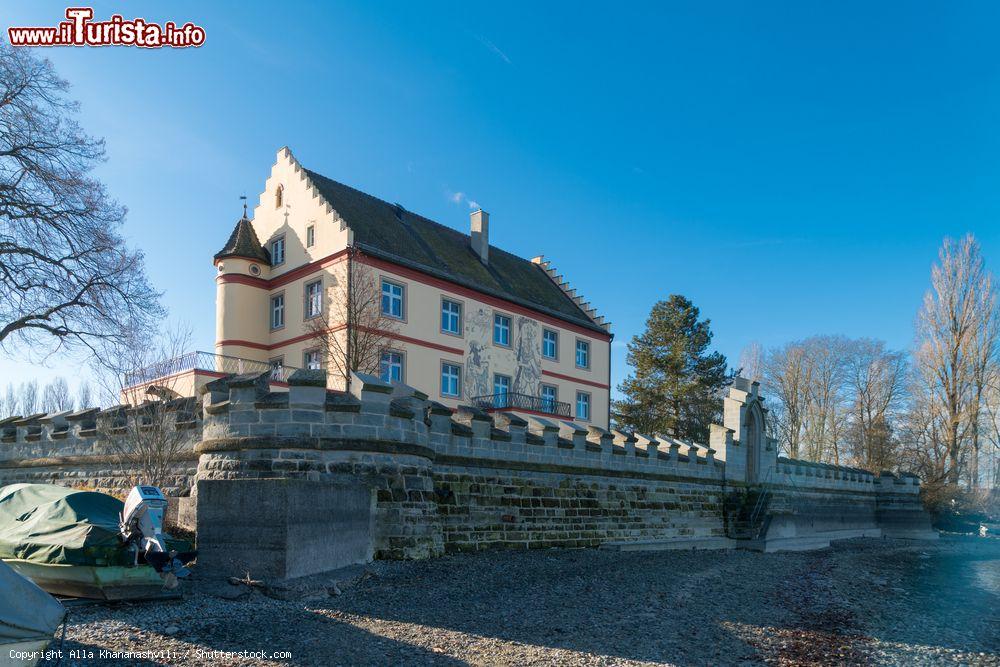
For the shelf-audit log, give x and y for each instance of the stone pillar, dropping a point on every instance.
(574, 433)
(475, 418)
(512, 424)
(720, 439)
(626, 440)
(544, 428)
(374, 394)
(598, 436)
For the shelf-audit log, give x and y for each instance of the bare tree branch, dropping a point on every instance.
(352, 333)
(67, 278)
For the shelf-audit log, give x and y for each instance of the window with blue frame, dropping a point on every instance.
(501, 330)
(550, 344)
(392, 300)
(501, 388)
(451, 317)
(451, 380)
(550, 396)
(391, 367)
(582, 354)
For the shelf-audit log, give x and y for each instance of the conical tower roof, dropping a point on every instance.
(243, 242)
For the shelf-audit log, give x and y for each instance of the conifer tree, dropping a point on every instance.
(676, 382)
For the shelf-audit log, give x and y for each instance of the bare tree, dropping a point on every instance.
(351, 332)
(788, 376)
(84, 396)
(877, 378)
(142, 431)
(923, 445)
(956, 331)
(56, 396)
(11, 404)
(67, 277)
(824, 417)
(752, 361)
(984, 371)
(28, 399)
(990, 431)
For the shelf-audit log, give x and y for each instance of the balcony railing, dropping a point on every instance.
(206, 361)
(515, 401)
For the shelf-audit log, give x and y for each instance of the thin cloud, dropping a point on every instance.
(494, 48)
(459, 197)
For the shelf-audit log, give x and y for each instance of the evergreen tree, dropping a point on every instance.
(676, 382)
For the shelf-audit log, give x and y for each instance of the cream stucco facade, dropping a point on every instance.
(316, 244)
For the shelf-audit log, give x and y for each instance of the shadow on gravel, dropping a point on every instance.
(658, 606)
(255, 628)
(695, 607)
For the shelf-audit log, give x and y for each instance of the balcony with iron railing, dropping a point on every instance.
(526, 402)
(205, 361)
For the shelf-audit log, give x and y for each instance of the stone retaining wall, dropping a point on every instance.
(75, 448)
(446, 481)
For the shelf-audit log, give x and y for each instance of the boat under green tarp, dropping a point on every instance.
(67, 541)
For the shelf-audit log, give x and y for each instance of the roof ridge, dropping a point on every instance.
(416, 239)
(414, 213)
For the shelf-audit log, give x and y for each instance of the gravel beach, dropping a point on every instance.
(861, 602)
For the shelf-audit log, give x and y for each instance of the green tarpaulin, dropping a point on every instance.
(27, 611)
(44, 523)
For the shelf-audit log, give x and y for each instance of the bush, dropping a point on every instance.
(954, 509)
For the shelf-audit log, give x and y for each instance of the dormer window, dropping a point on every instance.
(279, 197)
(278, 251)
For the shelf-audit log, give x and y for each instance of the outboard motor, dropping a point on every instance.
(142, 529)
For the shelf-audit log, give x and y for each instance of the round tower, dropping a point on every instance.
(242, 311)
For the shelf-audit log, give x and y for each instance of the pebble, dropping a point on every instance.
(589, 608)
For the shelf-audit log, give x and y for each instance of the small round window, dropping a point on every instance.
(254, 269)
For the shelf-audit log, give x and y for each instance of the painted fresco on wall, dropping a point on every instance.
(522, 361)
(478, 328)
(529, 361)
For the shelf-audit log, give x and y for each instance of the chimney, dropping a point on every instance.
(480, 235)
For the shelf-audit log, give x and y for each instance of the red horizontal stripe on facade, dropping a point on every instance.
(423, 343)
(243, 343)
(428, 279)
(297, 339)
(307, 269)
(284, 278)
(240, 279)
(573, 379)
(473, 294)
(280, 343)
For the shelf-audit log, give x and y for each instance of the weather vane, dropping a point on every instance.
(244, 199)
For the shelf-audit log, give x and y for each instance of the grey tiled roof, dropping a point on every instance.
(392, 233)
(243, 242)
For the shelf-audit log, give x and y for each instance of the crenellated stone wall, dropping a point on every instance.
(467, 480)
(445, 481)
(76, 448)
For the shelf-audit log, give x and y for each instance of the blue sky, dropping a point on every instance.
(791, 167)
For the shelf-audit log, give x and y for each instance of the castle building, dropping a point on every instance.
(459, 319)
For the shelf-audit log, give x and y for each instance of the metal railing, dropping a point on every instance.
(763, 501)
(515, 401)
(206, 361)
